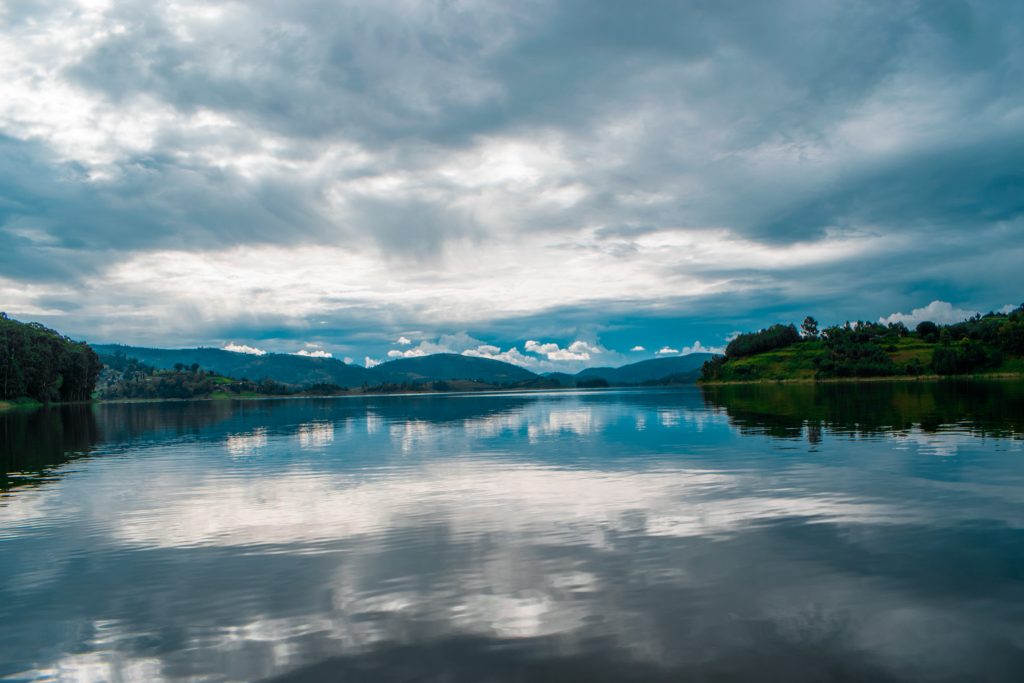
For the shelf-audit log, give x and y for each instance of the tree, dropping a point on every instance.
(39, 363)
(927, 330)
(751, 343)
(810, 328)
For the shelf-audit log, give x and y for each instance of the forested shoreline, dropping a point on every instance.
(40, 364)
(984, 344)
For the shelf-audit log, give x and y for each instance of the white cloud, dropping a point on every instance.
(638, 348)
(583, 347)
(242, 348)
(1008, 308)
(348, 360)
(446, 343)
(313, 350)
(941, 312)
(313, 353)
(512, 356)
(536, 347)
(576, 351)
(404, 341)
(465, 344)
(700, 348)
(547, 356)
(697, 347)
(370, 362)
(411, 353)
(566, 354)
(486, 349)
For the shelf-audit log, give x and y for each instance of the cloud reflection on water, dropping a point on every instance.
(641, 531)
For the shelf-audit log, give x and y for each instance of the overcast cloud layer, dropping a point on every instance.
(330, 177)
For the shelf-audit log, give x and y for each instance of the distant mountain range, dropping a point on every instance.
(280, 367)
(450, 366)
(679, 368)
(439, 367)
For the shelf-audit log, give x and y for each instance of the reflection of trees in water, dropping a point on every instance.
(980, 407)
(32, 442)
(127, 422)
(35, 442)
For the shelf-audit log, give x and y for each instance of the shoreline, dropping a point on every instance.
(882, 378)
(15, 405)
(19, 404)
(22, 404)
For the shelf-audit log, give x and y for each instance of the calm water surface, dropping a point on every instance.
(870, 532)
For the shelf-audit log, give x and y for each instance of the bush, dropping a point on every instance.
(712, 369)
(856, 351)
(964, 357)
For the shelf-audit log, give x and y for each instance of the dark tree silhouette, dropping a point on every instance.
(39, 363)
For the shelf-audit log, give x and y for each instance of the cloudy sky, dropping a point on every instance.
(557, 182)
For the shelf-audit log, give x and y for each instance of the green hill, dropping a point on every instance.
(992, 344)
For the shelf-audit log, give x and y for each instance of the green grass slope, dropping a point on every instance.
(801, 361)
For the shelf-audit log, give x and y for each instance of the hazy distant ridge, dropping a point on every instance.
(305, 370)
(651, 370)
(280, 367)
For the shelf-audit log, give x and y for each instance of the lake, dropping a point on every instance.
(786, 532)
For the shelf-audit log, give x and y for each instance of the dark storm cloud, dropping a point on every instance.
(444, 73)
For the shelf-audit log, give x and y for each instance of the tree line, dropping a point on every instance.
(41, 364)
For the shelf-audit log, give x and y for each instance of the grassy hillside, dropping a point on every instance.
(802, 360)
(984, 345)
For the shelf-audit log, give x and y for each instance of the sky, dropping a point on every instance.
(556, 183)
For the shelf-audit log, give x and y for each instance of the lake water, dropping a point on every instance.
(785, 533)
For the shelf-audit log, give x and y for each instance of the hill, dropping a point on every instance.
(473, 372)
(679, 368)
(280, 367)
(992, 344)
(450, 366)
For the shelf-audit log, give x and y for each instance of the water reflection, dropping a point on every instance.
(981, 407)
(33, 442)
(717, 535)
